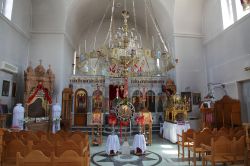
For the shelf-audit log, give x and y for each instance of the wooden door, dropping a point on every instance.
(80, 107)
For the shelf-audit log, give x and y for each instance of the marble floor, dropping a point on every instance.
(160, 153)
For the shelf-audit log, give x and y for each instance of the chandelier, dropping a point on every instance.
(123, 54)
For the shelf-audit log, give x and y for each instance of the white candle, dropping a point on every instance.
(153, 42)
(85, 45)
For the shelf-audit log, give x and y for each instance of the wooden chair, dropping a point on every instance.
(63, 134)
(247, 152)
(203, 137)
(182, 141)
(9, 136)
(69, 158)
(12, 148)
(1, 144)
(239, 149)
(80, 138)
(34, 158)
(221, 151)
(55, 138)
(238, 134)
(23, 133)
(223, 132)
(69, 145)
(40, 134)
(77, 138)
(45, 147)
(30, 137)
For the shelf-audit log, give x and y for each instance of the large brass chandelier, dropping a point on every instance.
(123, 54)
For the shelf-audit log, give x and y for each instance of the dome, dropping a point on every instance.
(49, 71)
(29, 69)
(39, 70)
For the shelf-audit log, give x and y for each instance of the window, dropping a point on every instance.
(239, 9)
(6, 8)
(232, 10)
(227, 13)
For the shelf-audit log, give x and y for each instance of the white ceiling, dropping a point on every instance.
(75, 17)
(82, 13)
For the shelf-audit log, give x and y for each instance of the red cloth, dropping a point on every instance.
(46, 93)
(112, 119)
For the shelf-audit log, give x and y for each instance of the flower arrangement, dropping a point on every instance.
(140, 120)
(57, 119)
(124, 123)
(26, 120)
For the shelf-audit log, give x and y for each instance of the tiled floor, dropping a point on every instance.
(160, 153)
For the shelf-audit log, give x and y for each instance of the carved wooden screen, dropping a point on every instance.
(39, 85)
(227, 112)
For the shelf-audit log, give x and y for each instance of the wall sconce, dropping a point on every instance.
(247, 68)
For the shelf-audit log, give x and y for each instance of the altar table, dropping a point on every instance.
(139, 142)
(112, 144)
(170, 130)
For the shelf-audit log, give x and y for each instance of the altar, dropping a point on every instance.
(170, 130)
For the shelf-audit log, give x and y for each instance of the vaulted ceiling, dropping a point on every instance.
(82, 13)
(74, 17)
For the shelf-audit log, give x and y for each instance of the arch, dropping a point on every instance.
(80, 107)
(81, 101)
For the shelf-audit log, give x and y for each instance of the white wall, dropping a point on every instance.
(212, 19)
(14, 43)
(188, 16)
(228, 54)
(48, 16)
(67, 62)
(22, 14)
(50, 43)
(188, 39)
(50, 49)
(190, 68)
